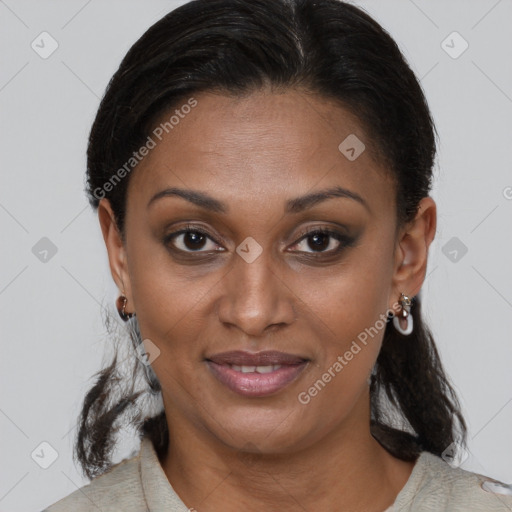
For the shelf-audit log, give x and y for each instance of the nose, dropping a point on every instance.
(256, 298)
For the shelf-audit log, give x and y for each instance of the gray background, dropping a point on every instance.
(52, 335)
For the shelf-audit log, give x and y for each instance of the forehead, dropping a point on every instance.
(264, 145)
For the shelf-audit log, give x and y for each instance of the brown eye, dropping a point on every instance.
(318, 241)
(322, 241)
(191, 240)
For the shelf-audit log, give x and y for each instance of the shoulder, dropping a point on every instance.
(434, 485)
(119, 488)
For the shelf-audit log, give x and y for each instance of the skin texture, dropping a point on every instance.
(229, 452)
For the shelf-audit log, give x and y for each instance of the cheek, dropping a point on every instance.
(349, 339)
(345, 358)
(347, 299)
(172, 311)
(348, 313)
(163, 291)
(171, 306)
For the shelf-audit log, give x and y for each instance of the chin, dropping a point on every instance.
(267, 432)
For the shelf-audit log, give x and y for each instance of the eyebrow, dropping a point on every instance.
(302, 203)
(200, 199)
(296, 205)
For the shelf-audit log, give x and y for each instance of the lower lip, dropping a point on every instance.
(256, 384)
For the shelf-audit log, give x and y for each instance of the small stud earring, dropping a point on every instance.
(405, 314)
(121, 308)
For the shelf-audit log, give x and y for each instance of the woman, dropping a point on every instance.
(261, 171)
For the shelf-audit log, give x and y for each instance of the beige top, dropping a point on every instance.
(139, 484)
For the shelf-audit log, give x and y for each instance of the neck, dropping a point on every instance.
(348, 467)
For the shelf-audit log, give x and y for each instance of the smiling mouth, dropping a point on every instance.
(256, 375)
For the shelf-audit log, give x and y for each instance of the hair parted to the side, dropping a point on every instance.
(324, 47)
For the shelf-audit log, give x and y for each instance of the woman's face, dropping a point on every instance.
(225, 263)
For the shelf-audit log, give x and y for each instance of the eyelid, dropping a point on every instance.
(319, 229)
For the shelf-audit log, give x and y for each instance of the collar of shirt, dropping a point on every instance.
(158, 492)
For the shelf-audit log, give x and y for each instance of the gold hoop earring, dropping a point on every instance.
(121, 308)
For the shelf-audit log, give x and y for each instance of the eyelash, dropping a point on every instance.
(343, 239)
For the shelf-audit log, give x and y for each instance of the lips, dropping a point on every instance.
(256, 375)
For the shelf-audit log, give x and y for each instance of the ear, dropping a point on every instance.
(116, 249)
(411, 252)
